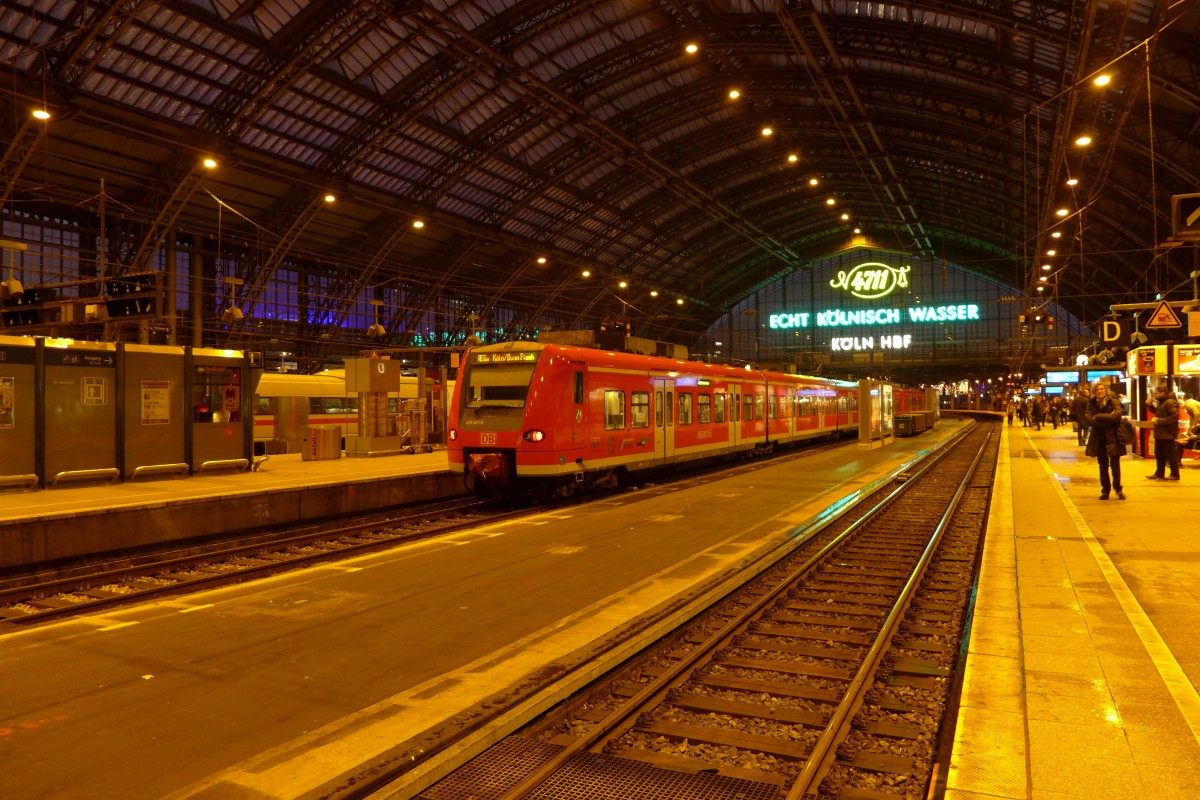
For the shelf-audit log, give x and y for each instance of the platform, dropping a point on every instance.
(1084, 656)
(60, 524)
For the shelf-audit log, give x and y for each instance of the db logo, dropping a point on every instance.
(487, 438)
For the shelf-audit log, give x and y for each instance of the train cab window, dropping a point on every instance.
(639, 406)
(658, 409)
(578, 387)
(685, 408)
(614, 410)
(760, 404)
(704, 409)
(719, 407)
(748, 407)
(498, 385)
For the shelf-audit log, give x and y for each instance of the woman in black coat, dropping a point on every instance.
(1104, 414)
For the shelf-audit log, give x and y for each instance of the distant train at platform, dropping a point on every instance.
(564, 419)
(285, 400)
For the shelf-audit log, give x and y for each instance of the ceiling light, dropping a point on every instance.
(541, 260)
(1072, 181)
(654, 292)
(1056, 235)
(1062, 212)
(1051, 252)
(623, 284)
(845, 216)
(41, 113)
(829, 201)
(1045, 266)
(1044, 278)
(793, 158)
(812, 181)
(678, 301)
(692, 48)
(329, 198)
(734, 94)
(1102, 80)
(1083, 141)
(209, 163)
(418, 223)
(587, 273)
(1041, 288)
(858, 230)
(767, 130)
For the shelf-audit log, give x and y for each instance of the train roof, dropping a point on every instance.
(621, 359)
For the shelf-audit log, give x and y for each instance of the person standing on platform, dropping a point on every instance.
(1103, 415)
(1166, 429)
(1079, 412)
(1037, 411)
(1012, 410)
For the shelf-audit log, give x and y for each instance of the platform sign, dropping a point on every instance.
(8, 401)
(1163, 317)
(156, 402)
(1185, 216)
(1116, 332)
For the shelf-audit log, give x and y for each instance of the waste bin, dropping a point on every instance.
(322, 442)
(904, 426)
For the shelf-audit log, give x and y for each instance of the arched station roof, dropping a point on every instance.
(583, 132)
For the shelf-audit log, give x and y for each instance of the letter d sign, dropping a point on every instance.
(1115, 332)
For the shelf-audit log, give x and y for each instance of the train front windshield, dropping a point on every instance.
(498, 385)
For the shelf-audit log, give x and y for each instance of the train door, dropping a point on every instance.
(578, 413)
(664, 419)
(735, 413)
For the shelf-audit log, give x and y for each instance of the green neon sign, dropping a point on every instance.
(872, 280)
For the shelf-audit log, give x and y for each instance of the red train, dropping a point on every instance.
(574, 418)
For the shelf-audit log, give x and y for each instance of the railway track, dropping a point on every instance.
(827, 676)
(195, 568)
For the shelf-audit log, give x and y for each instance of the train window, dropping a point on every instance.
(498, 385)
(704, 409)
(640, 409)
(658, 409)
(578, 387)
(773, 407)
(735, 407)
(670, 405)
(614, 410)
(748, 407)
(760, 403)
(719, 407)
(685, 408)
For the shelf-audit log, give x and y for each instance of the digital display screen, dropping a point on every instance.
(1054, 390)
(1063, 377)
(503, 358)
(1097, 374)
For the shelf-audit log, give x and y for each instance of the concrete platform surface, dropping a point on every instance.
(1085, 657)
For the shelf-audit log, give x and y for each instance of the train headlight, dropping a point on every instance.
(535, 435)
(454, 434)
